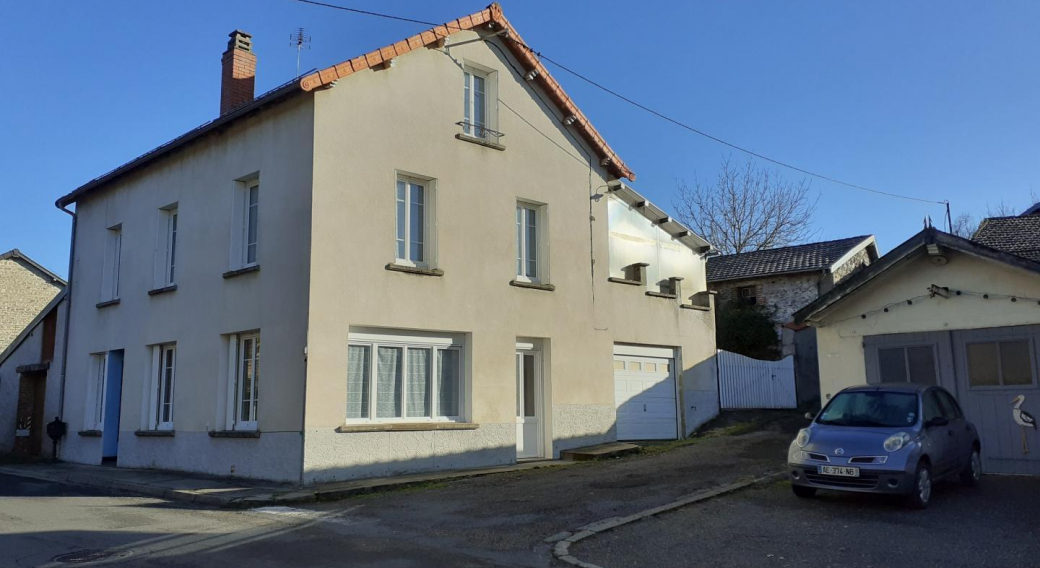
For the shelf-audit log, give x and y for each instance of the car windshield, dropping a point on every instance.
(870, 409)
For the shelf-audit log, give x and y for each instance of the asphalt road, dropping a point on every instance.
(498, 520)
(996, 524)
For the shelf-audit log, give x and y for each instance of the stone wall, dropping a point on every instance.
(785, 294)
(24, 292)
(851, 266)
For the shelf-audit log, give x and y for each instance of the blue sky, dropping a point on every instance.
(937, 100)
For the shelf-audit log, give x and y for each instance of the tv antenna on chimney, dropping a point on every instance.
(300, 40)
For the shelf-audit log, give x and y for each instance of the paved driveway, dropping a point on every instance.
(498, 520)
(996, 524)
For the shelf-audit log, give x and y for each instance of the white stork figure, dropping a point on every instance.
(1023, 419)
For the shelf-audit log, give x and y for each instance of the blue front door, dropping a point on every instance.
(113, 391)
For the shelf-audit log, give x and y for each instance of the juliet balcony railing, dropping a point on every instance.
(480, 134)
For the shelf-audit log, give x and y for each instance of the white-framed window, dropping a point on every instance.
(244, 380)
(113, 257)
(163, 378)
(245, 228)
(404, 377)
(479, 98)
(166, 248)
(95, 414)
(530, 242)
(414, 234)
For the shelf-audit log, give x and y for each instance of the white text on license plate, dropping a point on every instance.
(838, 470)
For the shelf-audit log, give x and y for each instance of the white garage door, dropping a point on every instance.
(644, 391)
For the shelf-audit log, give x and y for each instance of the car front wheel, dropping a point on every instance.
(972, 473)
(921, 493)
(804, 492)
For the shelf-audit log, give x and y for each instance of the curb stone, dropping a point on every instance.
(561, 550)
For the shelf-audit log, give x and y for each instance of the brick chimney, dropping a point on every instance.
(237, 72)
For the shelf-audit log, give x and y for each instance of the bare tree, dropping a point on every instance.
(1001, 209)
(747, 208)
(964, 226)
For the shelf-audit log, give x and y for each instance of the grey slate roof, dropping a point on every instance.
(786, 260)
(1016, 235)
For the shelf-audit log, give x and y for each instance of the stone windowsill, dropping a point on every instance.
(234, 433)
(33, 368)
(480, 142)
(414, 270)
(154, 433)
(241, 271)
(624, 281)
(406, 427)
(107, 303)
(695, 307)
(90, 433)
(532, 285)
(661, 295)
(162, 290)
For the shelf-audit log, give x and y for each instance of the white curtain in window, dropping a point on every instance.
(448, 387)
(358, 371)
(388, 383)
(419, 382)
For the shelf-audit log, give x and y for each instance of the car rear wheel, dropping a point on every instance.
(803, 491)
(921, 494)
(972, 473)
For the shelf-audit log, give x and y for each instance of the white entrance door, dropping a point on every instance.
(528, 404)
(644, 391)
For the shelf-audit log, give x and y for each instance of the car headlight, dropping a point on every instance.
(803, 437)
(896, 441)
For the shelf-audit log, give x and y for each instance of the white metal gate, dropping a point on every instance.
(750, 383)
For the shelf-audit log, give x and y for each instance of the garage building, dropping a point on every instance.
(939, 309)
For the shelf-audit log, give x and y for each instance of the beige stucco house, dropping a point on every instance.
(435, 250)
(939, 309)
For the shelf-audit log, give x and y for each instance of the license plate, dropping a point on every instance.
(839, 471)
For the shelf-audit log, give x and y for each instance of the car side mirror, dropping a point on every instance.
(937, 421)
(809, 416)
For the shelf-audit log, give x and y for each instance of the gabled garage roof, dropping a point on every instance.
(930, 239)
(490, 18)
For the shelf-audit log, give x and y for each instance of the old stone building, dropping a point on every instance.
(25, 289)
(785, 280)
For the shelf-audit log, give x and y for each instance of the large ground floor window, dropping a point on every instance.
(403, 377)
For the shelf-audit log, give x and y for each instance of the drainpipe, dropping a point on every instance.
(68, 315)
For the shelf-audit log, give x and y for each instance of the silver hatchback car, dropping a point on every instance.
(889, 438)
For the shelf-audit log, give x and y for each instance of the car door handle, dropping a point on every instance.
(949, 432)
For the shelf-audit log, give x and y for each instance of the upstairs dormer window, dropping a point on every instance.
(245, 224)
(476, 104)
(480, 118)
(530, 242)
(165, 275)
(113, 258)
(414, 235)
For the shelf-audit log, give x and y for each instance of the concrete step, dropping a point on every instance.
(599, 451)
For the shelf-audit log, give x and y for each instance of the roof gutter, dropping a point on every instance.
(68, 314)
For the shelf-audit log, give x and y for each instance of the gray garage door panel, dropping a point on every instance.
(988, 407)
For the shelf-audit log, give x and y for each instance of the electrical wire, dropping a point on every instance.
(653, 112)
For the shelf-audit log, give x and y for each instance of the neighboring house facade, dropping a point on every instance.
(939, 309)
(30, 382)
(786, 279)
(1018, 235)
(26, 287)
(428, 292)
